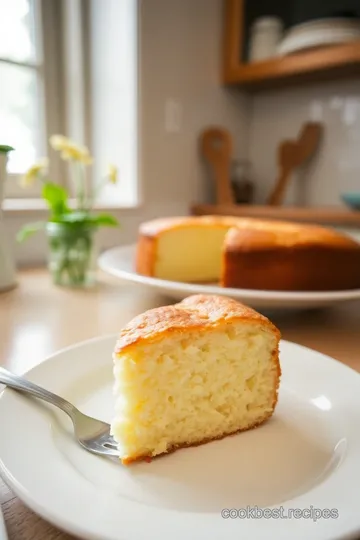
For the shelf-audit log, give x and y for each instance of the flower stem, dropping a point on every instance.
(98, 188)
(71, 257)
(81, 186)
(78, 180)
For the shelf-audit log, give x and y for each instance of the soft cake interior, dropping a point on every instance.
(193, 386)
(191, 254)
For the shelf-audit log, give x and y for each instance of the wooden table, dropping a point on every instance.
(36, 319)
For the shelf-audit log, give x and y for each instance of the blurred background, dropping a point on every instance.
(139, 82)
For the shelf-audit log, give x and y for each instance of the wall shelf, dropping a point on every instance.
(316, 65)
(318, 215)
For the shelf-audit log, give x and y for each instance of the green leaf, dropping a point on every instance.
(28, 230)
(75, 216)
(4, 148)
(85, 218)
(56, 198)
(105, 220)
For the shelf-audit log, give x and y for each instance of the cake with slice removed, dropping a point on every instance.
(247, 253)
(190, 373)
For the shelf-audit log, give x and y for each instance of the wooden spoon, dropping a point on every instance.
(288, 160)
(309, 140)
(293, 154)
(216, 146)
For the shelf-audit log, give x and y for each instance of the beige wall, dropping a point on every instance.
(336, 167)
(179, 59)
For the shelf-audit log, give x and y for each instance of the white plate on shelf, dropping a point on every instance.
(119, 262)
(303, 464)
(319, 33)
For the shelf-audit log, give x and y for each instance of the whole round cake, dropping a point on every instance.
(248, 253)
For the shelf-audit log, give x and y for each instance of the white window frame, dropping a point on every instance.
(69, 73)
(50, 72)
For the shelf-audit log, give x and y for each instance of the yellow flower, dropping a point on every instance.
(69, 150)
(58, 142)
(33, 173)
(113, 174)
(77, 153)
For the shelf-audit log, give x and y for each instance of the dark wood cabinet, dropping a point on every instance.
(326, 63)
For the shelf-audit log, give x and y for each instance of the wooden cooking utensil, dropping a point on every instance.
(293, 154)
(288, 160)
(216, 147)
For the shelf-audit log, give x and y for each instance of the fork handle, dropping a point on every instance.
(23, 385)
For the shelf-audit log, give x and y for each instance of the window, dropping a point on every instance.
(112, 42)
(70, 67)
(29, 75)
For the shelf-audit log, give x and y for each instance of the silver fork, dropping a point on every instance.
(92, 434)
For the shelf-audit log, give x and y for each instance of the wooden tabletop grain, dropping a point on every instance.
(36, 319)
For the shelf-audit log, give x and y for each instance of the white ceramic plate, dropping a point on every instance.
(3, 533)
(319, 33)
(304, 460)
(120, 263)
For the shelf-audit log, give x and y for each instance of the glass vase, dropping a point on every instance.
(72, 258)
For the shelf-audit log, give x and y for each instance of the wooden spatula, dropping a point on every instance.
(288, 160)
(216, 147)
(293, 154)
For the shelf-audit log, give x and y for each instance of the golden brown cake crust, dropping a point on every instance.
(260, 234)
(273, 232)
(198, 311)
(290, 259)
(145, 255)
(156, 226)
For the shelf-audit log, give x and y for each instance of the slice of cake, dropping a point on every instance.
(192, 372)
(186, 249)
